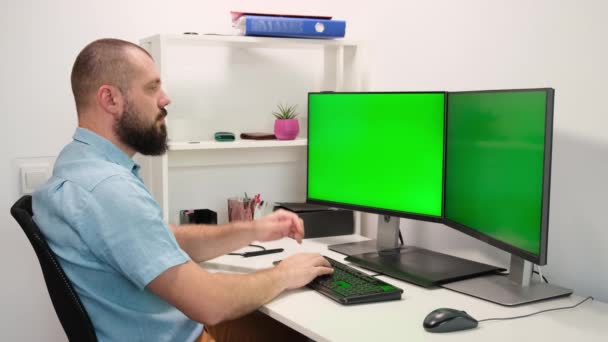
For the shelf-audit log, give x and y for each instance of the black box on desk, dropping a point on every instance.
(321, 221)
(197, 216)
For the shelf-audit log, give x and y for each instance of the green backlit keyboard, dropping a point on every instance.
(346, 285)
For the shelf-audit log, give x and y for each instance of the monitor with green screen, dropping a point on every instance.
(498, 168)
(478, 162)
(378, 152)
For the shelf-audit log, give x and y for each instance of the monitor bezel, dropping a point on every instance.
(541, 258)
(375, 210)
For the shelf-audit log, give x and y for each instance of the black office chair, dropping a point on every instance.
(72, 314)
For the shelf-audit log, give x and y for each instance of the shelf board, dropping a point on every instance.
(239, 143)
(258, 42)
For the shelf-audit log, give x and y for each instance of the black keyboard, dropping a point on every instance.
(346, 285)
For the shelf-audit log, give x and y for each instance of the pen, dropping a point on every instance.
(264, 252)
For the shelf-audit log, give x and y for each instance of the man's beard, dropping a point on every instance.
(146, 139)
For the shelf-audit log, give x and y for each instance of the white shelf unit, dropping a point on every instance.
(237, 144)
(174, 179)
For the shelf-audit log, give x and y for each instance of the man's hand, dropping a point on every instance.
(277, 225)
(300, 269)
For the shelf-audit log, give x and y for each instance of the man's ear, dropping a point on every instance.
(111, 99)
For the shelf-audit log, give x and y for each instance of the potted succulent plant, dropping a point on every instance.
(286, 125)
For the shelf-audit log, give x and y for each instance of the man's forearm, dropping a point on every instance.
(211, 298)
(249, 292)
(204, 242)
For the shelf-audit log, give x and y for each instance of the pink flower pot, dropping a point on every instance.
(286, 129)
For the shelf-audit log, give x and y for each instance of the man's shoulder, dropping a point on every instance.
(87, 169)
(90, 173)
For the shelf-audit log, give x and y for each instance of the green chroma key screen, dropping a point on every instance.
(377, 150)
(494, 165)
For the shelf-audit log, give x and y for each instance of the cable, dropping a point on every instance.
(540, 273)
(536, 313)
(258, 246)
(251, 245)
(400, 237)
(542, 276)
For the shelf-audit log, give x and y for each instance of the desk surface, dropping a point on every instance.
(322, 319)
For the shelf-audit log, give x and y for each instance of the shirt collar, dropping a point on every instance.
(107, 148)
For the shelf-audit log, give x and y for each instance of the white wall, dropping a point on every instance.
(452, 45)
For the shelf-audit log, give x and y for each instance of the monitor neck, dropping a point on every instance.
(520, 272)
(388, 232)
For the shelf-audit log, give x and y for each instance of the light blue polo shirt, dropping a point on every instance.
(110, 238)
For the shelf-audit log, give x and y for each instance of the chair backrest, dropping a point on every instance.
(72, 314)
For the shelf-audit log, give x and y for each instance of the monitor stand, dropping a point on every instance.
(415, 265)
(514, 289)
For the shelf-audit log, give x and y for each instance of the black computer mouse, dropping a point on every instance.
(446, 320)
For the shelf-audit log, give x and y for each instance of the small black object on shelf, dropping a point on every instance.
(258, 136)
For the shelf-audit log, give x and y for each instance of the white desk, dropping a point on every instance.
(322, 319)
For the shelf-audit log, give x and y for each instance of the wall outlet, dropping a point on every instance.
(33, 176)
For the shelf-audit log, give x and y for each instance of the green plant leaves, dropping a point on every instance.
(285, 112)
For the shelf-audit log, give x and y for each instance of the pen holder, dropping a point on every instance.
(240, 209)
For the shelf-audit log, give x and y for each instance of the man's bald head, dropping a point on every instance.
(104, 61)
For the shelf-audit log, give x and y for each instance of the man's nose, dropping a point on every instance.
(164, 100)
